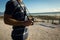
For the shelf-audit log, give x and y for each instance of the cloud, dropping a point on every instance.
(54, 9)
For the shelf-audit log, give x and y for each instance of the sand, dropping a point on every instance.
(36, 31)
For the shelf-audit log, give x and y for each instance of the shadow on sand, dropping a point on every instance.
(46, 26)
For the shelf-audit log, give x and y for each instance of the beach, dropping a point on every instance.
(38, 31)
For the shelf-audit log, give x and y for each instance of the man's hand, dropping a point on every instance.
(28, 23)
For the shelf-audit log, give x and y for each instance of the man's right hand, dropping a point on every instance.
(28, 23)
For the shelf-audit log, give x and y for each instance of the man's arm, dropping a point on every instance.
(10, 21)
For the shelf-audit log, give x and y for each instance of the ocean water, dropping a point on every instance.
(45, 14)
(40, 14)
(1, 14)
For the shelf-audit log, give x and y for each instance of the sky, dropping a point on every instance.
(35, 6)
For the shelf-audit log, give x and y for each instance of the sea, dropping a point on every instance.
(1, 14)
(45, 14)
(40, 14)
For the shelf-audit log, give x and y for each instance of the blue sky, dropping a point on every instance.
(37, 5)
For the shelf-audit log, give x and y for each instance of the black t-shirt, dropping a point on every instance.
(14, 8)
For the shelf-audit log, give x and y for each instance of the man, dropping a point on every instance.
(15, 15)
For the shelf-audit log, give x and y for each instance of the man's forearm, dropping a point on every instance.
(11, 21)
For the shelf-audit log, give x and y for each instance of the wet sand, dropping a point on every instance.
(36, 32)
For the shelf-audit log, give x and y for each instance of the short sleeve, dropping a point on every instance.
(9, 8)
